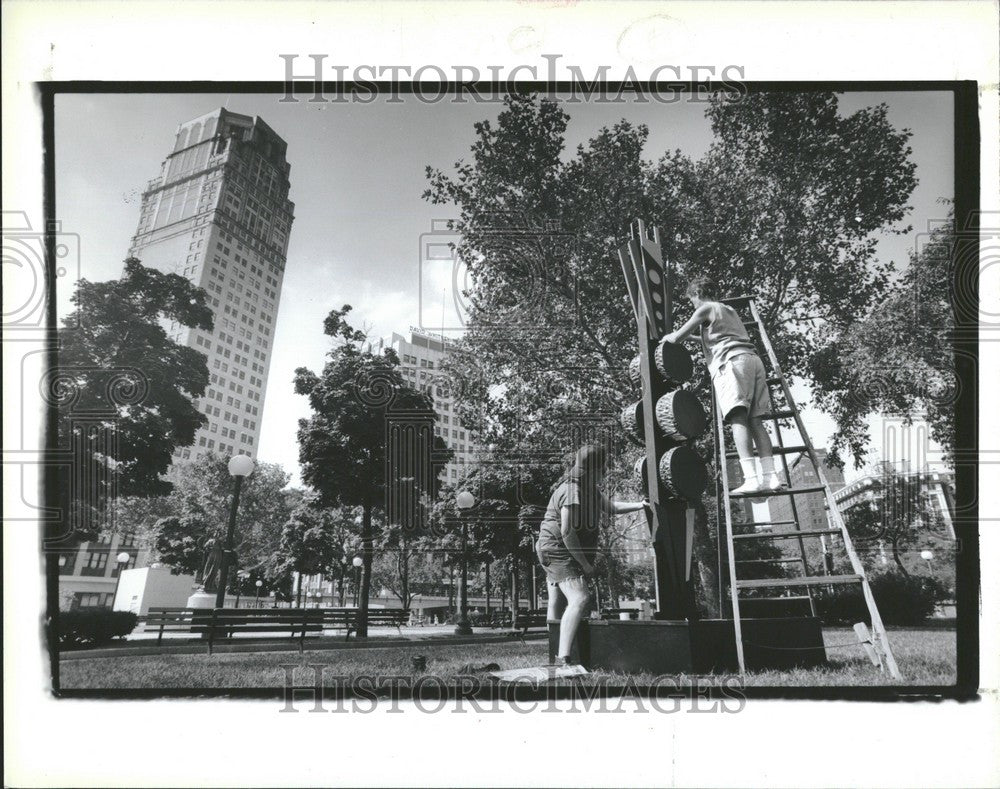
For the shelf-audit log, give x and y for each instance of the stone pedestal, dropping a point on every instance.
(702, 647)
(201, 599)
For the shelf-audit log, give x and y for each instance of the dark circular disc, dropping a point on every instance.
(683, 473)
(673, 362)
(680, 415)
(632, 422)
(635, 372)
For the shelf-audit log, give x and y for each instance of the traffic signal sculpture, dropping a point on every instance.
(663, 421)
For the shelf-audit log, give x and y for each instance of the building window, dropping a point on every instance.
(95, 563)
(90, 599)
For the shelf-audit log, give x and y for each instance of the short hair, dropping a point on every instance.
(703, 287)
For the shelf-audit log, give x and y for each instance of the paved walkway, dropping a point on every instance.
(379, 638)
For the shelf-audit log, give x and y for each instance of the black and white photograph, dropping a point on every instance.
(368, 389)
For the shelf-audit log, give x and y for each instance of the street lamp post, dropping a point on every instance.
(357, 562)
(927, 556)
(241, 577)
(239, 466)
(120, 560)
(256, 598)
(465, 501)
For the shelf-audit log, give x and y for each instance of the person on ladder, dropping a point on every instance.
(739, 379)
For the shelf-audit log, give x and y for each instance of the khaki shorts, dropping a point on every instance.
(742, 381)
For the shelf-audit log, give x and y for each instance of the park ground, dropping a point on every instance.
(925, 657)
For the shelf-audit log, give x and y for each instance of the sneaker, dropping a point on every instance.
(571, 670)
(752, 485)
(775, 483)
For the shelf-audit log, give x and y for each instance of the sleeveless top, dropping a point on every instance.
(723, 336)
(592, 506)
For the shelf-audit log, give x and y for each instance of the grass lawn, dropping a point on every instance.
(925, 657)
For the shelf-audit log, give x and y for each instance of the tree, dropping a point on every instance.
(123, 387)
(898, 514)
(343, 446)
(898, 359)
(784, 207)
(201, 499)
(310, 543)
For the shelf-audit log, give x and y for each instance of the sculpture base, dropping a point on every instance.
(703, 647)
(201, 599)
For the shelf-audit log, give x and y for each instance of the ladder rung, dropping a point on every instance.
(782, 560)
(733, 300)
(812, 580)
(787, 597)
(775, 450)
(761, 494)
(767, 523)
(787, 413)
(779, 535)
(774, 380)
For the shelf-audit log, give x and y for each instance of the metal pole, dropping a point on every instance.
(487, 589)
(462, 627)
(220, 595)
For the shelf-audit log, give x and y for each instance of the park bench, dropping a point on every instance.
(346, 618)
(530, 620)
(212, 623)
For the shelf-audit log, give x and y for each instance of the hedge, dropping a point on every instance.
(901, 600)
(94, 626)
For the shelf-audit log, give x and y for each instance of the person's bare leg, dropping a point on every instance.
(768, 477)
(743, 439)
(577, 598)
(557, 601)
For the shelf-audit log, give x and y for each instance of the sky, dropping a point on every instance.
(357, 175)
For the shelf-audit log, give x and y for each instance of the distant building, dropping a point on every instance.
(219, 214)
(88, 574)
(421, 356)
(811, 507)
(936, 493)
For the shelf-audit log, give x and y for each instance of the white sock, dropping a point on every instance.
(749, 467)
(766, 467)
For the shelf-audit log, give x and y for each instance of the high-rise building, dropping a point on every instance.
(421, 358)
(219, 214)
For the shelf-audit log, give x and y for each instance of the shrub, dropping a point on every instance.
(94, 626)
(901, 600)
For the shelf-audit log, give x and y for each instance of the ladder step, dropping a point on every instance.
(787, 597)
(774, 380)
(785, 414)
(779, 535)
(766, 523)
(775, 450)
(763, 494)
(783, 560)
(812, 580)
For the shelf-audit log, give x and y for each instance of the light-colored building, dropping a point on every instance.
(219, 214)
(421, 356)
(88, 574)
(936, 494)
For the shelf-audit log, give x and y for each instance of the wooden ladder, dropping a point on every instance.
(879, 641)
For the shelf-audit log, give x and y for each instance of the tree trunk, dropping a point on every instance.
(342, 589)
(366, 571)
(404, 573)
(515, 590)
(487, 568)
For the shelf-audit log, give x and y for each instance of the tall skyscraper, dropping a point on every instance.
(219, 214)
